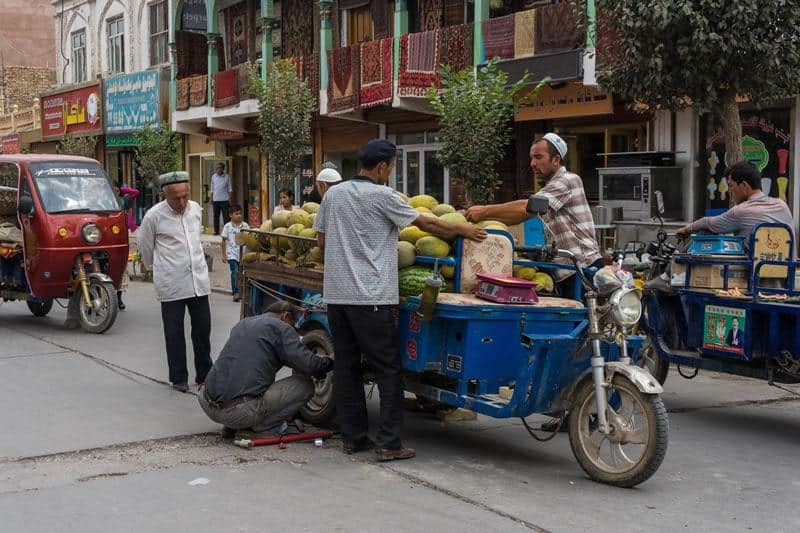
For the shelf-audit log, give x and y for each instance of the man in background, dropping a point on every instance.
(220, 195)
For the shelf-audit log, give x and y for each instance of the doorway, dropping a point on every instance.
(418, 171)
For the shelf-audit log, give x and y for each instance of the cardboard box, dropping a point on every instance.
(710, 276)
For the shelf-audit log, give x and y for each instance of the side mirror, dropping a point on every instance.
(537, 205)
(25, 206)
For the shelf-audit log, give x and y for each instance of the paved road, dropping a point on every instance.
(93, 439)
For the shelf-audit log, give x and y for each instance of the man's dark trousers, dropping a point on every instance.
(172, 314)
(221, 208)
(370, 330)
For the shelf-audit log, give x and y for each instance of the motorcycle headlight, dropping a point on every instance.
(91, 233)
(626, 307)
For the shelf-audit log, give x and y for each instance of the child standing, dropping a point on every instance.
(230, 250)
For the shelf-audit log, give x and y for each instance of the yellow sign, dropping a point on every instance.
(572, 100)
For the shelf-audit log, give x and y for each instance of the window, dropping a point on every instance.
(116, 45)
(79, 56)
(158, 33)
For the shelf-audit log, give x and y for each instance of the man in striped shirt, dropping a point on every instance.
(569, 218)
(752, 208)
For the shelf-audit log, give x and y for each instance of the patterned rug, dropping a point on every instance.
(419, 63)
(226, 92)
(244, 85)
(556, 28)
(498, 37)
(343, 84)
(236, 28)
(182, 88)
(192, 53)
(297, 28)
(198, 89)
(380, 19)
(457, 45)
(524, 33)
(453, 12)
(430, 14)
(376, 72)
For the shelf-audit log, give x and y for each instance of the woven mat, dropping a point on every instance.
(182, 88)
(376, 72)
(453, 12)
(198, 89)
(556, 28)
(226, 91)
(343, 84)
(524, 33)
(498, 37)
(457, 45)
(419, 63)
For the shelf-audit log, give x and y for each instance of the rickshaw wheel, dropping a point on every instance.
(39, 306)
(634, 449)
(99, 319)
(321, 408)
(652, 362)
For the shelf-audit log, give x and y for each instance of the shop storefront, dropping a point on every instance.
(76, 111)
(132, 102)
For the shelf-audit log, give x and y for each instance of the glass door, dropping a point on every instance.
(419, 172)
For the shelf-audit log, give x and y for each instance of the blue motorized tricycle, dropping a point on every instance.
(555, 356)
(725, 305)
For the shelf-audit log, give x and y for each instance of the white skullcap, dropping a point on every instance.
(558, 142)
(329, 175)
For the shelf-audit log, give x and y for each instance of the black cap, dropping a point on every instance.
(376, 151)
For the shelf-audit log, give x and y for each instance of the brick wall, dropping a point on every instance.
(20, 85)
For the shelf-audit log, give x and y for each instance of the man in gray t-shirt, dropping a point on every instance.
(357, 226)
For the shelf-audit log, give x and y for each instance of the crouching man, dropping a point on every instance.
(240, 391)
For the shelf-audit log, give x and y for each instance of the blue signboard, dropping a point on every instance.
(131, 101)
(193, 15)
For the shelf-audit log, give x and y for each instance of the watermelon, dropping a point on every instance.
(411, 280)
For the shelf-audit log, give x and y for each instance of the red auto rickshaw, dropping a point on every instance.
(63, 234)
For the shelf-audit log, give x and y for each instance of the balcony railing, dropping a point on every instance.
(21, 120)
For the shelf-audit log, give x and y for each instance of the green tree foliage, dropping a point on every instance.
(82, 146)
(673, 54)
(475, 112)
(285, 106)
(158, 150)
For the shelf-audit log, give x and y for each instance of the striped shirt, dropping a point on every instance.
(569, 218)
(742, 218)
(360, 220)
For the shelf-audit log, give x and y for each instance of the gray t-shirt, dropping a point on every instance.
(360, 220)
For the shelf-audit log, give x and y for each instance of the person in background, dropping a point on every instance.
(129, 194)
(230, 250)
(169, 242)
(220, 195)
(326, 179)
(241, 392)
(286, 201)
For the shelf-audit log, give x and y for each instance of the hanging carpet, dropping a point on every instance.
(297, 28)
(226, 92)
(381, 19)
(182, 89)
(498, 37)
(376, 72)
(419, 63)
(430, 14)
(524, 33)
(198, 89)
(453, 12)
(343, 83)
(556, 28)
(236, 28)
(457, 45)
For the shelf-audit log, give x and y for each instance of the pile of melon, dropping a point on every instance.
(413, 242)
(296, 223)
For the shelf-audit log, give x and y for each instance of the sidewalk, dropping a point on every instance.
(219, 274)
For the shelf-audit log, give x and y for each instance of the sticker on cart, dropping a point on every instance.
(413, 323)
(724, 329)
(411, 349)
(454, 363)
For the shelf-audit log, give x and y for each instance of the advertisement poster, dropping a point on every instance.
(10, 144)
(72, 113)
(132, 101)
(766, 141)
(724, 329)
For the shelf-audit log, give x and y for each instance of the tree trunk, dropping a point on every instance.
(731, 127)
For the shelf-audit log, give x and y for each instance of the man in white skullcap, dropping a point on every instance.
(169, 242)
(569, 218)
(327, 178)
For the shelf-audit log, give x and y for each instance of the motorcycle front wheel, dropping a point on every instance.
(652, 362)
(634, 448)
(101, 316)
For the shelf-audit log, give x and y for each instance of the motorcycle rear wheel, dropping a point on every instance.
(634, 449)
(39, 306)
(321, 408)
